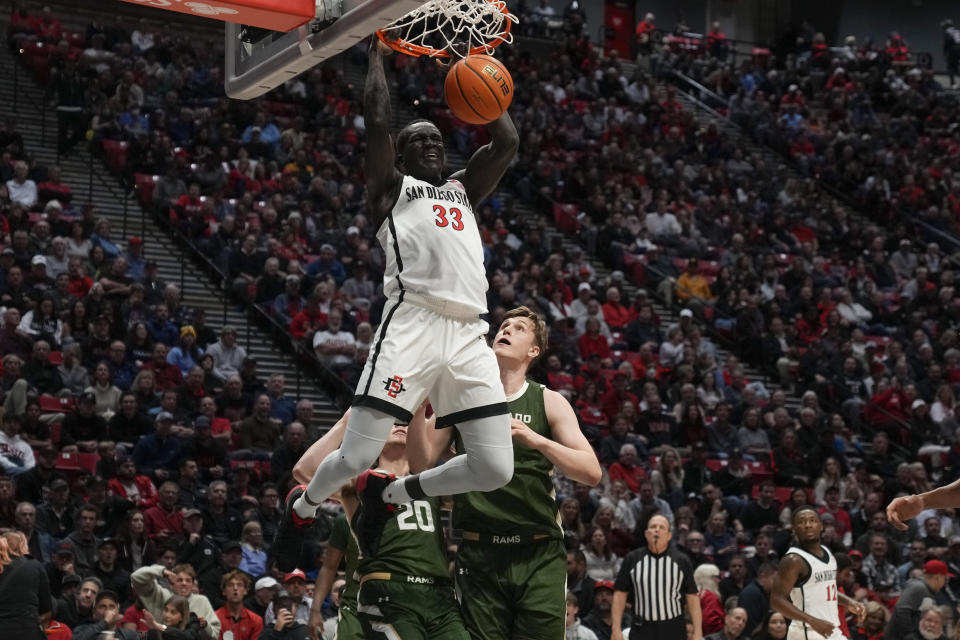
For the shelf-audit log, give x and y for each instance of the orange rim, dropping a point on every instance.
(416, 50)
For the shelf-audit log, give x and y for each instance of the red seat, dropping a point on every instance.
(78, 40)
(144, 184)
(78, 462)
(565, 217)
(55, 433)
(55, 358)
(116, 154)
(715, 465)
(56, 405)
(259, 467)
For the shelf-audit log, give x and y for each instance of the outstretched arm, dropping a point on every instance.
(907, 507)
(490, 162)
(382, 175)
(425, 443)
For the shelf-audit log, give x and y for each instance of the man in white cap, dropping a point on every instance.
(262, 596)
(578, 308)
(38, 279)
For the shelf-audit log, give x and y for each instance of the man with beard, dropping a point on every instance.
(136, 488)
(907, 613)
(599, 619)
(106, 620)
(78, 610)
(220, 521)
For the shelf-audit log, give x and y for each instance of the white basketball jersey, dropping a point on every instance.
(432, 245)
(818, 595)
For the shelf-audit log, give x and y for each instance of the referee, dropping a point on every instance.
(658, 579)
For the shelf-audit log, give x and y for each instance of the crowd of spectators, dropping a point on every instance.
(830, 299)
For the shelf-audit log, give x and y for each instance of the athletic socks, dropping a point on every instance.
(404, 490)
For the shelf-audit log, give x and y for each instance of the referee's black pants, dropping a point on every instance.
(675, 629)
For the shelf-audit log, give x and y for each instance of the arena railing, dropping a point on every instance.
(709, 100)
(336, 387)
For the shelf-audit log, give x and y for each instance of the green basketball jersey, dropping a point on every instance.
(411, 543)
(527, 504)
(341, 538)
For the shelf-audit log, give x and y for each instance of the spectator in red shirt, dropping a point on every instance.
(47, 27)
(235, 619)
(707, 578)
(54, 189)
(842, 523)
(128, 484)
(644, 34)
(615, 314)
(308, 322)
(80, 282)
(590, 372)
(612, 401)
(167, 376)
(716, 47)
(164, 521)
(626, 469)
(592, 341)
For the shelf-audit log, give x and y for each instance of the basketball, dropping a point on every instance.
(478, 89)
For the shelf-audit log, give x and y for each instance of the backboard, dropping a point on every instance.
(253, 69)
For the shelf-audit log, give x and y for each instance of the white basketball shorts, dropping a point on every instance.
(796, 632)
(419, 352)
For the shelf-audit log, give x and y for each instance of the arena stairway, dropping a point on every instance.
(558, 240)
(90, 181)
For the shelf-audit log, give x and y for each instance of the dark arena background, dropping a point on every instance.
(739, 219)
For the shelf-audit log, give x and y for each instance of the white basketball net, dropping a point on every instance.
(455, 26)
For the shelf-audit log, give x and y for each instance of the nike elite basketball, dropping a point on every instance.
(478, 89)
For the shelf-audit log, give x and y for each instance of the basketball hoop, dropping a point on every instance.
(441, 28)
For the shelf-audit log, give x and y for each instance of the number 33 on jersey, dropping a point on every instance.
(432, 245)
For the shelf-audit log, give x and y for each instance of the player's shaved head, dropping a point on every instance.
(803, 509)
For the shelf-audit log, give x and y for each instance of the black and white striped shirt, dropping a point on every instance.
(658, 584)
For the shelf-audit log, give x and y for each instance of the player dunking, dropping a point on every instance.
(805, 590)
(511, 563)
(431, 339)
